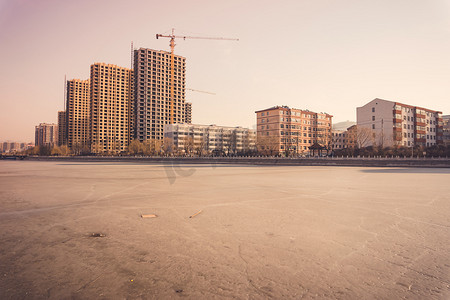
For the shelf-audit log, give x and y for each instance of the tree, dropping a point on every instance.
(44, 150)
(76, 148)
(324, 137)
(96, 148)
(189, 145)
(232, 142)
(135, 147)
(168, 146)
(64, 150)
(35, 150)
(56, 150)
(267, 145)
(360, 137)
(202, 146)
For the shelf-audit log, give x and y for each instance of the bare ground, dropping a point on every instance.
(263, 232)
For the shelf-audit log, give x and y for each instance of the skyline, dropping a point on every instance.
(322, 56)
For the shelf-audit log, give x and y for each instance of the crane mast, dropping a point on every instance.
(172, 62)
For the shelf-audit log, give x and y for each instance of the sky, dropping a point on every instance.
(322, 55)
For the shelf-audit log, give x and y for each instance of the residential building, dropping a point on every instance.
(339, 139)
(392, 123)
(46, 134)
(292, 131)
(203, 139)
(78, 115)
(62, 129)
(446, 129)
(14, 146)
(111, 108)
(154, 92)
(188, 113)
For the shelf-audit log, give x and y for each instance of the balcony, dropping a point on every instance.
(397, 120)
(420, 140)
(422, 116)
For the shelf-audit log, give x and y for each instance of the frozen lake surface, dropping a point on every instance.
(263, 231)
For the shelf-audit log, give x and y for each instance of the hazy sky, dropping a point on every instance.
(325, 56)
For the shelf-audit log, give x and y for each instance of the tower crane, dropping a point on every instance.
(172, 60)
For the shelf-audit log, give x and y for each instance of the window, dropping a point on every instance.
(373, 126)
(373, 109)
(373, 118)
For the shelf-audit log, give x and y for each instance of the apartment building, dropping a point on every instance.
(62, 129)
(46, 134)
(153, 93)
(12, 147)
(111, 108)
(78, 108)
(396, 124)
(290, 130)
(188, 113)
(446, 129)
(211, 138)
(339, 139)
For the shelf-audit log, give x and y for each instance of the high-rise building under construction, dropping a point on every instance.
(77, 125)
(62, 128)
(153, 92)
(111, 108)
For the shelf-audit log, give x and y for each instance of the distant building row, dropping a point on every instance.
(388, 123)
(9, 147)
(284, 130)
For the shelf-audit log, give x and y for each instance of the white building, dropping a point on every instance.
(211, 138)
(393, 123)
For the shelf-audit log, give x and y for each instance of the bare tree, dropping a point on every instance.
(189, 145)
(56, 150)
(135, 147)
(324, 137)
(360, 137)
(76, 148)
(64, 150)
(202, 147)
(267, 145)
(168, 146)
(96, 148)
